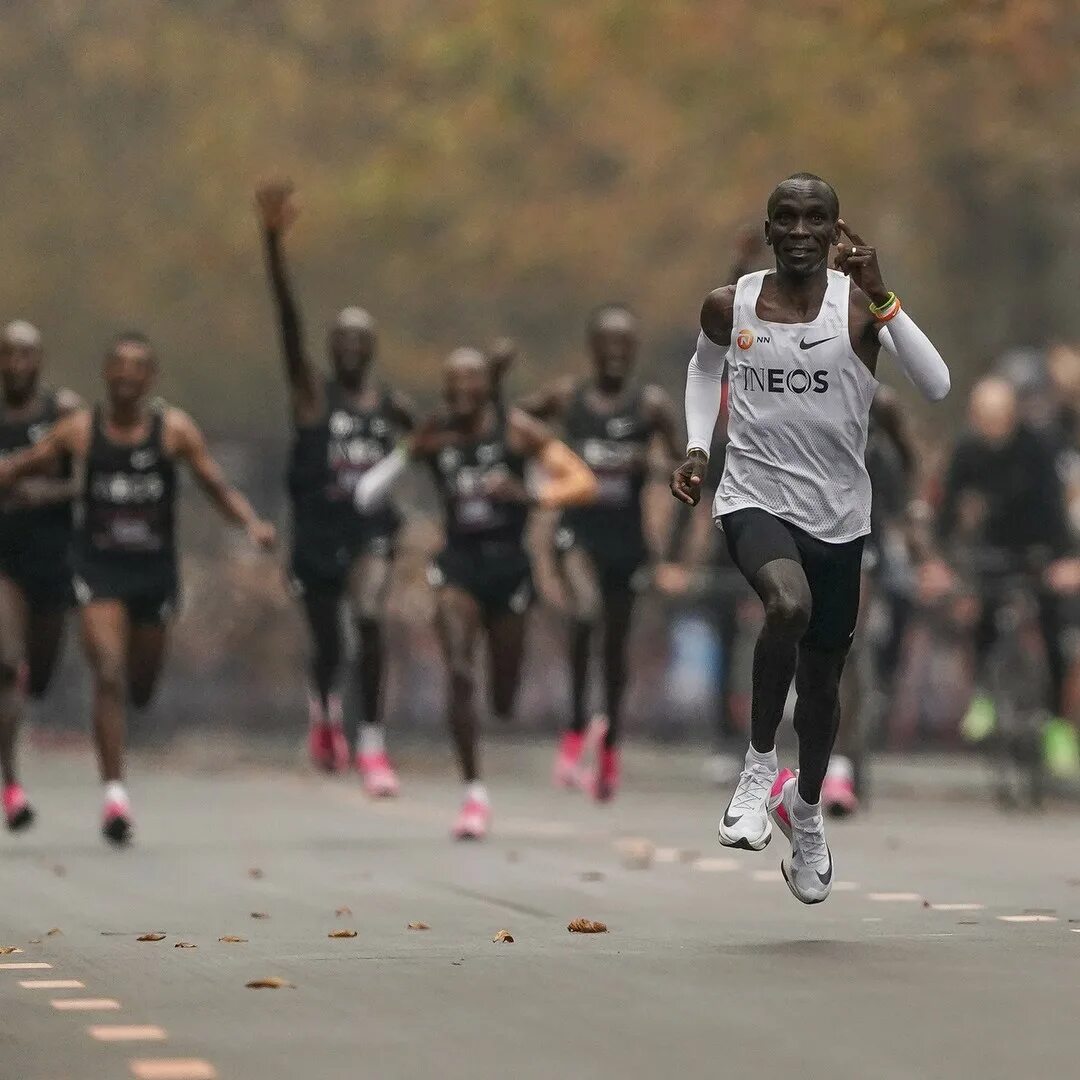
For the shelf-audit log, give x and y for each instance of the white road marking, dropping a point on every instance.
(173, 1069)
(84, 1004)
(845, 886)
(958, 907)
(714, 865)
(895, 897)
(767, 875)
(51, 984)
(1027, 918)
(126, 1032)
(26, 965)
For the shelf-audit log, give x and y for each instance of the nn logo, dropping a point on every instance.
(745, 338)
(779, 381)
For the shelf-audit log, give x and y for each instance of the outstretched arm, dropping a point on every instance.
(277, 212)
(34, 491)
(190, 446)
(67, 436)
(550, 401)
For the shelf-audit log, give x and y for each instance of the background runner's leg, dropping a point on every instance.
(618, 608)
(785, 594)
(583, 597)
(12, 636)
(457, 619)
(368, 584)
(44, 634)
(506, 645)
(817, 714)
(145, 653)
(323, 616)
(105, 628)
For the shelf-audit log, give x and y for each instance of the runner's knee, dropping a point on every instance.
(787, 613)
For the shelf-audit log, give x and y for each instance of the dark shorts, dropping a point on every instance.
(45, 582)
(150, 594)
(318, 566)
(756, 537)
(499, 580)
(618, 560)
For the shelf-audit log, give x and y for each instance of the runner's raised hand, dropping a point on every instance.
(858, 259)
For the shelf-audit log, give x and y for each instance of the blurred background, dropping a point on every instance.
(469, 169)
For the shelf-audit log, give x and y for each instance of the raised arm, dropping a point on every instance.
(550, 401)
(568, 481)
(69, 435)
(277, 212)
(188, 444)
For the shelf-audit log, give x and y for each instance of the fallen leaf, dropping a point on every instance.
(151, 937)
(55, 932)
(185, 945)
(926, 903)
(7, 950)
(418, 926)
(586, 926)
(232, 939)
(342, 911)
(342, 933)
(273, 982)
(504, 935)
(593, 875)
(255, 872)
(260, 915)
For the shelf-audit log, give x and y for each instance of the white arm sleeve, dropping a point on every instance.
(704, 380)
(374, 487)
(922, 363)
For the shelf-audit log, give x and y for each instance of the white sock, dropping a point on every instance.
(753, 757)
(115, 792)
(802, 809)
(841, 768)
(477, 792)
(371, 739)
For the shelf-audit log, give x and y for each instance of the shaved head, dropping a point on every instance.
(20, 334)
(616, 318)
(466, 359)
(805, 182)
(355, 318)
(992, 409)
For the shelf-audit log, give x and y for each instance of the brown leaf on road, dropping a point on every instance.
(342, 933)
(54, 932)
(272, 982)
(255, 873)
(151, 937)
(418, 926)
(504, 935)
(260, 915)
(185, 945)
(586, 926)
(7, 950)
(232, 939)
(342, 911)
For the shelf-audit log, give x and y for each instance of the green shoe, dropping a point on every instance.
(980, 719)
(1061, 749)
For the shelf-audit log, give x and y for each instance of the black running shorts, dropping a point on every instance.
(756, 537)
(500, 581)
(149, 594)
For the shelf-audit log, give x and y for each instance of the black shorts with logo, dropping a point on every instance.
(321, 564)
(150, 593)
(497, 576)
(756, 537)
(617, 557)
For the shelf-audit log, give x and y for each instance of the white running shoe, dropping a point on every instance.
(808, 870)
(745, 823)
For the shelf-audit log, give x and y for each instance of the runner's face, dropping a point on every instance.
(351, 351)
(467, 389)
(613, 345)
(801, 228)
(20, 368)
(129, 373)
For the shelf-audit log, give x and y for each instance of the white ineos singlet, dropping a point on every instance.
(799, 402)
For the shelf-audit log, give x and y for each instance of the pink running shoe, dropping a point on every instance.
(777, 807)
(327, 746)
(838, 797)
(116, 824)
(380, 780)
(568, 759)
(18, 813)
(606, 781)
(473, 820)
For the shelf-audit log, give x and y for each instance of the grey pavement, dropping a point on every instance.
(950, 950)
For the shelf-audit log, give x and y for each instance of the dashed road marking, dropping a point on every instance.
(126, 1032)
(26, 965)
(173, 1069)
(1027, 918)
(51, 984)
(84, 1004)
(845, 886)
(714, 865)
(894, 897)
(958, 907)
(767, 875)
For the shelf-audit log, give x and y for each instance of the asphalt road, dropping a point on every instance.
(951, 950)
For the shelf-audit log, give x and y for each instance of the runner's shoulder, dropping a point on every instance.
(525, 433)
(717, 315)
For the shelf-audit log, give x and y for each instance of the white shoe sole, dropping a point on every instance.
(743, 842)
(789, 881)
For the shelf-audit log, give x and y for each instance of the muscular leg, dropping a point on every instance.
(368, 582)
(585, 603)
(44, 633)
(457, 619)
(618, 607)
(817, 714)
(12, 698)
(105, 629)
(506, 646)
(323, 616)
(785, 593)
(145, 653)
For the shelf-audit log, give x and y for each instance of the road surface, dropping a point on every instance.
(950, 949)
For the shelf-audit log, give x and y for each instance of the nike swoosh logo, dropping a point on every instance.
(826, 878)
(729, 820)
(804, 344)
